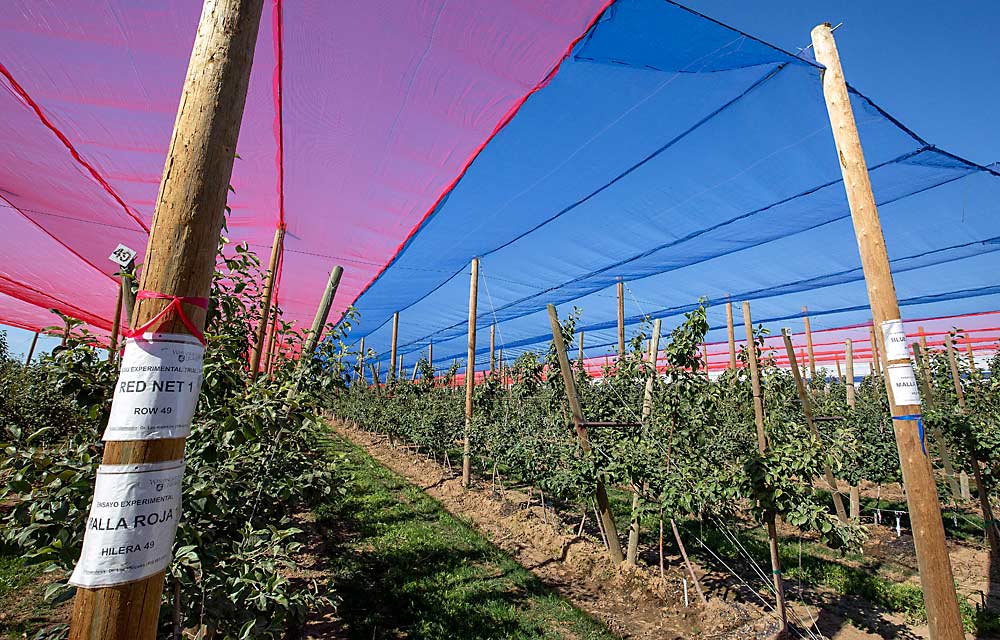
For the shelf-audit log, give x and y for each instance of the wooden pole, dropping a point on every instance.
(180, 261)
(607, 519)
(116, 325)
(809, 344)
(31, 349)
(972, 357)
(732, 335)
(800, 387)
(621, 318)
(470, 374)
(647, 407)
(265, 312)
(430, 354)
(322, 313)
(493, 348)
(758, 414)
(395, 340)
(936, 576)
(580, 352)
(923, 341)
(840, 372)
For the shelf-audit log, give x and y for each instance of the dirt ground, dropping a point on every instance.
(637, 602)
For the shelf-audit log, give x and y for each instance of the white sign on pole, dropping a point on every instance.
(131, 525)
(122, 255)
(894, 339)
(904, 384)
(157, 388)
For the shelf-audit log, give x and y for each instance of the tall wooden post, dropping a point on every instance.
(972, 357)
(936, 576)
(31, 349)
(580, 350)
(758, 414)
(800, 387)
(647, 407)
(180, 261)
(116, 325)
(809, 344)
(470, 374)
(395, 340)
(923, 341)
(493, 348)
(603, 505)
(430, 354)
(322, 313)
(840, 372)
(732, 335)
(265, 313)
(621, 318)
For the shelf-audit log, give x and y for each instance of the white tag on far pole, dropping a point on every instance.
(122, 255)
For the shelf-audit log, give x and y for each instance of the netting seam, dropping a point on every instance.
(23, 94)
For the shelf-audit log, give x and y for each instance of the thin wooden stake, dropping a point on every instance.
(687, 563)
(31, 349)
(265, 311)
(647, 408)
(116, 325)
(731, 332)
(470, 374)
(876, 365)
(800, 387)
(758, 413)
(604, 507)
(954, 485)
(937, 580)
(972, 357)
(361, 361)
(849, 364)
(809, 344)
(395, 341)
(992, 535)
(580, 351)
(493, 348)
(621, 318)
(322, 313)
(180, 261)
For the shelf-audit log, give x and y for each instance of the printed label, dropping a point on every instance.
(131, 525)
(157, 388)
(904, 384)
(122, 255)
(894, 339)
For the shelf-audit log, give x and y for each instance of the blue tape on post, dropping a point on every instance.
(920, 427)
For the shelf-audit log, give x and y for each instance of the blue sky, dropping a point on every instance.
(931, 64)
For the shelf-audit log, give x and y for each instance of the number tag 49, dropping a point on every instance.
(122, 255)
